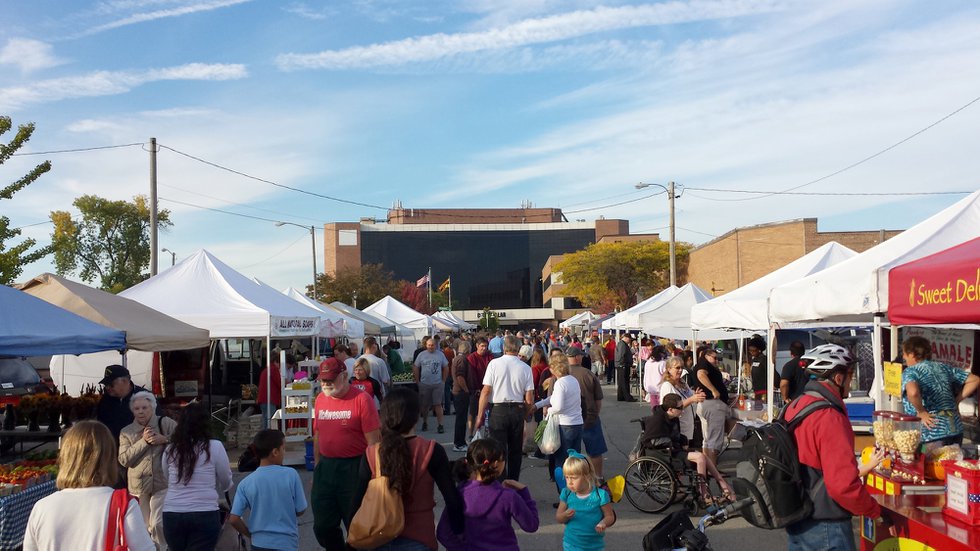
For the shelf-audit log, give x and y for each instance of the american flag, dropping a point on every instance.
(422, 281)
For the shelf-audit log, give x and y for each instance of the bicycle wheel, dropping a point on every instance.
(650, 484)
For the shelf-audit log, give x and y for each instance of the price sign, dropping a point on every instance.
(893, 378)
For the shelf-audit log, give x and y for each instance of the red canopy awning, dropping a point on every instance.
(937, 289)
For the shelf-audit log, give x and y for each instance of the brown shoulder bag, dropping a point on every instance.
(381, 517)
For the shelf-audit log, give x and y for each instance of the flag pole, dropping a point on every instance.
(450, 289)
(430, 287)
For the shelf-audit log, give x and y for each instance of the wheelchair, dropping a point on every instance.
(658, 478)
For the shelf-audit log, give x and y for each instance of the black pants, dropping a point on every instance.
(610, 372)
(623, 383)
(461, 402)
(192, 531)
(507, 427)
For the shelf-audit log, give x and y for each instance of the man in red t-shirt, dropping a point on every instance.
(345, 422)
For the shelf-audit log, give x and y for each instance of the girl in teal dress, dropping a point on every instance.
(584, 508)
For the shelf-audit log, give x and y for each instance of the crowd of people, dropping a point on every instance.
(500, 387)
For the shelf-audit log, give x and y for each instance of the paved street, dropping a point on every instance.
(631, 526)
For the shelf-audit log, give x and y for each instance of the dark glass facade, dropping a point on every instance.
(489, 269)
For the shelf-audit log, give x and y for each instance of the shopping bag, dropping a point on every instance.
(551, 438)
(381, 517)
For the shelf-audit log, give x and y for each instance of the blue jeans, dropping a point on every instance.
(192, 531)
(403, 544)
(821, 535)
(571, 439)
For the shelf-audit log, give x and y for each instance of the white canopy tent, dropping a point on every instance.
(340, 324)
(748, 306)
(373, 325)
(460, 323)
(582, 319)
(398, 312)
(404, 335)
(855, 291)
(670, 317)
(629, 318)
(205, 292)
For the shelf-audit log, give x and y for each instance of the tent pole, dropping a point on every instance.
(771, 368)
(741, 358)
(268, 379)
(876, 342)
(893, 402)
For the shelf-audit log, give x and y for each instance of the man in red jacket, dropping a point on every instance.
(830, 476)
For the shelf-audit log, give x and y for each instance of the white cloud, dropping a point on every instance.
(184, 9)
(306, 12)
(527, 32)
(30, 55)
(104, 83)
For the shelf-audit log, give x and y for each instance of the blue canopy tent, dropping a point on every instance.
(30, 326)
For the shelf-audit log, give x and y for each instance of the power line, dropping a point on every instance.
(858, 163)
(270, 182)
(222, 211)
(317, 220)
(616, 204)
(612, 197)
(31, 225)
(302, 237)
(81, 149)
(828, 193)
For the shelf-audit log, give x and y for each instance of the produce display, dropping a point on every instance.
(297, 409)
(35, 468)
(403, 378)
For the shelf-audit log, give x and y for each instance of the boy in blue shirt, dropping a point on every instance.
(274, 494)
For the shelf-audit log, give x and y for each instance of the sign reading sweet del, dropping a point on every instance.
(940, 288)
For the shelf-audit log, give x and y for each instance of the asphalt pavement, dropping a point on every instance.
(631, 524)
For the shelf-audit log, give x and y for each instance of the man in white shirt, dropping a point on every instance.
(509, 386)
(379, 367)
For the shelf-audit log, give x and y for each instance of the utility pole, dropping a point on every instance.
(673, 257)
(669, 188)
(153, 207)
(313, 241)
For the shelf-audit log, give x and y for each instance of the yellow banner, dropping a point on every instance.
(893, 378)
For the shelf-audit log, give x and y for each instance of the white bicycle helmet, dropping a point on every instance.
(827, 357)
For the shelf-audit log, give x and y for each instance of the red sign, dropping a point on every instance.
(940, 288)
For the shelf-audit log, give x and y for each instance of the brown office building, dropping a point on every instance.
(746, 254)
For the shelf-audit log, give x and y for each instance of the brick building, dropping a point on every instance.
(746, 254)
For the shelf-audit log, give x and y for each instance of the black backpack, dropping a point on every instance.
(771, 471)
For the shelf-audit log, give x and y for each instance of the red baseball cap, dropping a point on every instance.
(330, 368)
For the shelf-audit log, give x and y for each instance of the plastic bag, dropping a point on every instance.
(550, 437)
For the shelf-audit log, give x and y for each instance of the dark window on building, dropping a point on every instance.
(495, 269)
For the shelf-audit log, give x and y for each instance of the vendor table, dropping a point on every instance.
(14, 512)
(921, 525)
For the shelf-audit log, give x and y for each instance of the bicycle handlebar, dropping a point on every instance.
(727, 511)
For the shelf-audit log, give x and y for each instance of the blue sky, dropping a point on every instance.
(487, 103)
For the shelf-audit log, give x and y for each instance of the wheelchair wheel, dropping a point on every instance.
(650, 484)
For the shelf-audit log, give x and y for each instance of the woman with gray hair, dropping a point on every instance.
(141, 445)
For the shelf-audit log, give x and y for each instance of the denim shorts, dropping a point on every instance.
(593, 440)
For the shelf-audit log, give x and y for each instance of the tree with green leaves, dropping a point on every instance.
(370, 283)
(605, 275)
(109, 242)
(14, 257)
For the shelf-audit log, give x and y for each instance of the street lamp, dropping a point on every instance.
(173, 255)
(355, 299)
(313, 241)
(670, 196)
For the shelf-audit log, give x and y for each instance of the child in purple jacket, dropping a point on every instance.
(490, 505)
